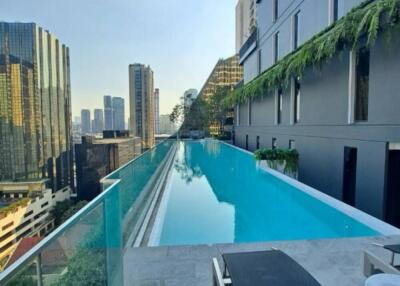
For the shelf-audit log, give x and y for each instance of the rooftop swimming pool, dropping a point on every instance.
(216, 193)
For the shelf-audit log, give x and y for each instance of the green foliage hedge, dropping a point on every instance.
(364, 20)
(276, 154)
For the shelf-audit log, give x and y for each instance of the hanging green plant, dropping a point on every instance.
(366, 19)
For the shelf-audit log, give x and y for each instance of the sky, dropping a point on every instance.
(181, 40)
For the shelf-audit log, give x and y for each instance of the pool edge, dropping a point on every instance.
(374, 223)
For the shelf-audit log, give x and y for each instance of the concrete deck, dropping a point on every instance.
(331, 262)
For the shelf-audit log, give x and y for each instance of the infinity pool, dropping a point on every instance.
(217, 194)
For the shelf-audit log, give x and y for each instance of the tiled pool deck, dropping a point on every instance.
(331, 262)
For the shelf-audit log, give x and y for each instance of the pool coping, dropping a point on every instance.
(161, 209)
(376, 224)
(157, 190)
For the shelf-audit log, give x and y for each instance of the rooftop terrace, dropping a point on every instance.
(97, 243)
(332, 262)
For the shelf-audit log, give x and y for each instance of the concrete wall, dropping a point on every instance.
(324, 131)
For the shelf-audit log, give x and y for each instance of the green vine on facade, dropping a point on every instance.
(365, 20)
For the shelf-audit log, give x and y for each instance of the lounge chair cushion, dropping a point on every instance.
(266, 268)
(383, 280)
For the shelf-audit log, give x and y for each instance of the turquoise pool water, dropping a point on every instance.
(217, 194)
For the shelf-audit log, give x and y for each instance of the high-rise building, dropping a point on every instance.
(35, 131)
(85, 121)
(118, 110)
(157, 110)
(141, 103)
(98, 121)
(108, 113)
(188, 98)
(245, 21)
(226, 73)
(35, 106)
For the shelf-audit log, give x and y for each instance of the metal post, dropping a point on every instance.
(39, 270)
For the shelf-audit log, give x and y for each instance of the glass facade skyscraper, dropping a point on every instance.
(118, 110)
(108, 113)
(98, 121)
(35, 106)
(157, 111)
(86, 121)
(141, 103)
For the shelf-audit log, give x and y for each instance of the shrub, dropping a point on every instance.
(276, 154)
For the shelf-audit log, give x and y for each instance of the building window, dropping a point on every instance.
(7, 226)
(45, 204)
(296, 30)
(274, 143)
(259, 61)
(292, 145)
(275, 9)
(249, 111)
(279, 106)
(276, 47)
(28, 214)
(296, 107)
(362, 85)
(258, 142)
(247, 142)
(333, 11)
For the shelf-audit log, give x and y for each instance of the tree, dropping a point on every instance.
(72, 210)
(177, 113)
(217, 110)
(196, 117)
(64, 210)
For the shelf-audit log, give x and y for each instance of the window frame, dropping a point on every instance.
(357, 96)
(275, 50)
(296, 30)
(275, 10)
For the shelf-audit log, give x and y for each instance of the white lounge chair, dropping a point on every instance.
(374, 264)
(383, 280)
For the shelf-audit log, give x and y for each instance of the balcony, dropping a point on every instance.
(248, 47)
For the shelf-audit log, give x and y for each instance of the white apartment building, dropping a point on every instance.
(25, 211)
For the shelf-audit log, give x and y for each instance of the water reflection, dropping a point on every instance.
(185, 166)
(217, 194)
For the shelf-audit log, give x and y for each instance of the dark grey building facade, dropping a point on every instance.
(35, 106)
(96, 158)
(343, 118)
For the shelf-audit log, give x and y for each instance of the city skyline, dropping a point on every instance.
(173, 74)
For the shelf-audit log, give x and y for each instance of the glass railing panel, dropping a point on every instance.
(79, 254)
(137, 181)
(85, 250)
(27, 276)
(88, 248)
